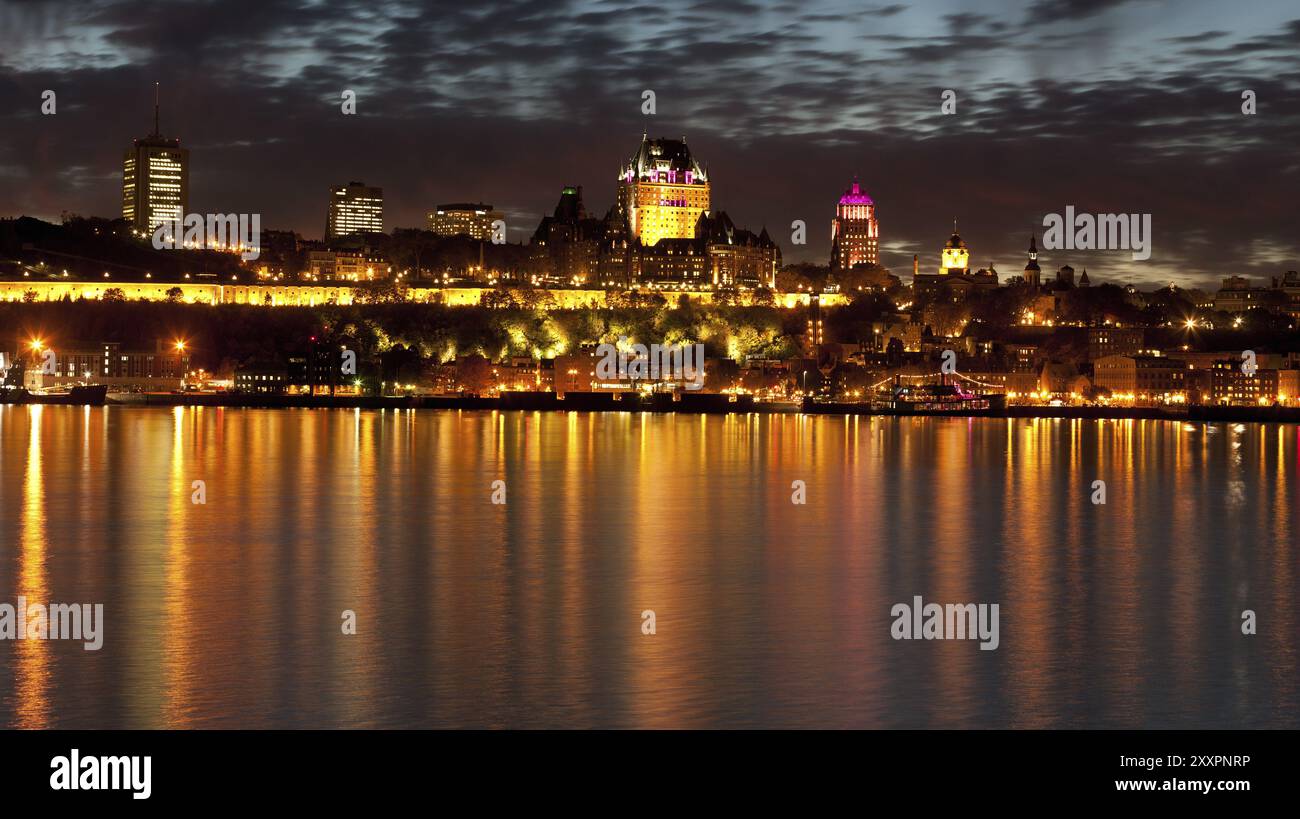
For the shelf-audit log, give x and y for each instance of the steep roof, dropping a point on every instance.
(662, 154)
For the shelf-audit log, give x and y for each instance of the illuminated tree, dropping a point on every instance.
(473, 374)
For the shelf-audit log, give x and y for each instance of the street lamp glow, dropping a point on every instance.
(180, 346)
(36, 344)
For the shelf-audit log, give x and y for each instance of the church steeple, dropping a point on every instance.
(1033, 274)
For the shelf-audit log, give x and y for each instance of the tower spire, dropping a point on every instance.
(156, 94)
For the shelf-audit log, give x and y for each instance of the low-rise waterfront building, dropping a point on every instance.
(1140, 378)
(1230, 384)
(163, 368)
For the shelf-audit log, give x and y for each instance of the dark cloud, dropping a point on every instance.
(1051, 11)
(1204, 36)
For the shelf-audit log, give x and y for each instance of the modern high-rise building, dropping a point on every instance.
(155, 180)
(465, 219)
(855, 233)
(355, 208)
(662, 191)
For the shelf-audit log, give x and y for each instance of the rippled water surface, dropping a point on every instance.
(767, 613)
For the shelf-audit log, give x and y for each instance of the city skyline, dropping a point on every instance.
(648, 365)
(1155, 127)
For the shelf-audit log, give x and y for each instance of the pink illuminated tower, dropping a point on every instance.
(855, 233)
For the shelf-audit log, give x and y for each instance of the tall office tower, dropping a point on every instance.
(855, 234)
(662, 191)
(155, 179)
(355, 208)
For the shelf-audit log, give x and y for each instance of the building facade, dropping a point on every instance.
(855, 233)
(1229, 385)
(346, 266)
(954, 281)
(1106, 341)
(355, 208)
(566, 246)
(662, 190)
(1289, 288)
(720, 255)
(474, 220)
(155, 181)
(659, 233)
(1142, 378)
(163, 368)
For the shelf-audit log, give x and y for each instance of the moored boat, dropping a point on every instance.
(88, 395)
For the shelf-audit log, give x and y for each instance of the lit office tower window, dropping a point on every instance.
(355, 208)
(155, 180)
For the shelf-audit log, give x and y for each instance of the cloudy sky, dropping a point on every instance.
(1112, 106)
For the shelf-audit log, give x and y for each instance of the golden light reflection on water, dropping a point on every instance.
(179, 639)
(528, 613)
(33, 656)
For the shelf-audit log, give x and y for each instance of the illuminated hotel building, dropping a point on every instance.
(472, 220)
(855, 234)
(355, 208)
(662, 191)
(155, 180)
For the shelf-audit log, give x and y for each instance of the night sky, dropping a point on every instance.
(1110, 106)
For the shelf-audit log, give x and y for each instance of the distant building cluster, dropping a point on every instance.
(1034, 337)
(954, 280)
(1237, 295)
(660, 233)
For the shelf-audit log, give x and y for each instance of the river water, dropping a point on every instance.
(532, 612)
